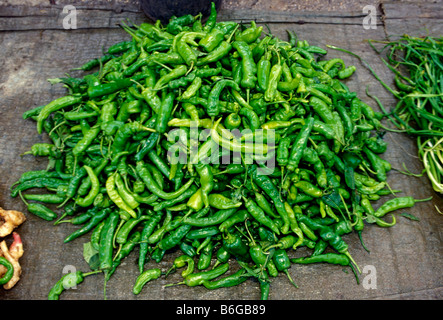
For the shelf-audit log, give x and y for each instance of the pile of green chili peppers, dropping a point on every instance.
(113, 168)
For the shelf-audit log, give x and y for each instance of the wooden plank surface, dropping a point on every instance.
(34, 46)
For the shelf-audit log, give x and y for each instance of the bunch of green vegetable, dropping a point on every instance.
(418, 67)
(113, 172)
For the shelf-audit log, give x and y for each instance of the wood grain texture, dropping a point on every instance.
(34, 47)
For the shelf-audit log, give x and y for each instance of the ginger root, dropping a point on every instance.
(11, 220)
(13, 254)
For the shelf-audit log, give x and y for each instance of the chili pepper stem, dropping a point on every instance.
(116, 232)
(355, 273)
(63, 221)
(232, 33)
(346, 253)
(23, 199)
(59, 220)
(423, 200)
(25, 153)
(346, 207)
(290, 278)
(170, 270)
(173, 284)
(64, 202)
(118, 251)
(191, 67)
(266, 249)
(92, 272)
(360, 236)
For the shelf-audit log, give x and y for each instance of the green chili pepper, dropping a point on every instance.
(106, 240)
(49, 183)
(203, 232)
(253, 119)
(169, 203)
(43, 150)
(53, 106)
(145, 277)
(257, 149)
(222, 256)
(396, 204)
(212, 18)
(265, 205)
(333, 258)
(232, 121)
(273, 80)
(204, 260)
(265, 183)
(283, 151)
(66, 282)
(95, 188)
(322, 109)
(123, 232)
(239, 216)
(32, 112)
(147, 230)
(258, 214)
(116, 198)
(119, 47)
(264, 286)
(180, 262)
(176, 24)
(9, 271)
(40, 210)
(175, 73)
(250, 34)
(93, 222)
(300, 144)
(192, 89)
(261, 259)
(249, 68)
(221, 202)
(228, 281)
(347, 72)
(196, 279)
(376, 144)
(214, 95)
(327, 234)
(108, 88)
(263, 71)
(46, 198)
(187, 249)
(283, 263)
(215, 219)
(288, 86)
(126, 196)
(206, 181)
(153, 187)
(174, 238)
(124, 133)
(236, 246)
(83, 217)
(215, 55)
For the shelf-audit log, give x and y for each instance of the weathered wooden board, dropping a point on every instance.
(407, 258)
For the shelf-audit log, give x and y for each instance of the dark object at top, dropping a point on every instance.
(163, 10)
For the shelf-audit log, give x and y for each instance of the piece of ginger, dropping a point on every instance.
(12, 254)
(9, 220)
